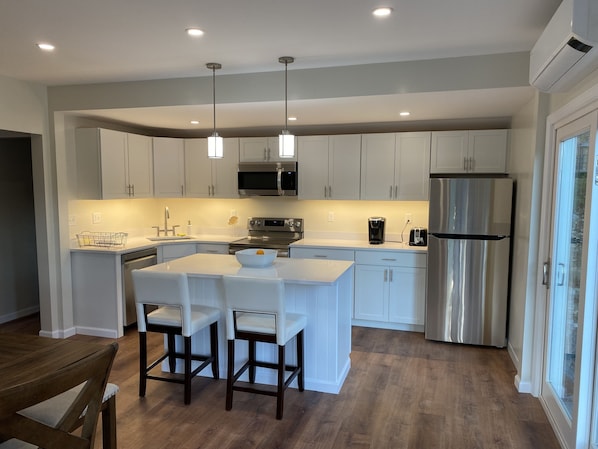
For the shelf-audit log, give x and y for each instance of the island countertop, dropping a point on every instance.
(297, 271)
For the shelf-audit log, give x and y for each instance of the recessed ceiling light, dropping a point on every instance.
(292, 119)
(194, 32)
(382, 11)
(404, 113)
(195, 122)
(45, 46)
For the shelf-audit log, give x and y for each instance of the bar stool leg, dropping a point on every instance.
(280, 388)
(171, 353)
(300, 362)
(214, 349)
(142, 363)
(231, 374)
(251, 361)
(187, 370)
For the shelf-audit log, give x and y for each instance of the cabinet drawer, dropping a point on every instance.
(322, 253)
(212, 248)
(174, 251)
(391, 258)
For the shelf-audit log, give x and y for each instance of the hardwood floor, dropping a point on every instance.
(402, 392)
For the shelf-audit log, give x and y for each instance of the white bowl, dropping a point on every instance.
(250, 258)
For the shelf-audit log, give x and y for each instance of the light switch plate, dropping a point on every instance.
(96, 217)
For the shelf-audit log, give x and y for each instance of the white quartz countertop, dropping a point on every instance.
(357, 245)
(137, 243)
(299, 271)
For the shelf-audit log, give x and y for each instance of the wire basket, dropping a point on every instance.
(102, 239)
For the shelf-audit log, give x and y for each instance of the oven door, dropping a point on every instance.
(267, 179)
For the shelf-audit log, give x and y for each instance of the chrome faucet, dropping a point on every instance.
(165, 230)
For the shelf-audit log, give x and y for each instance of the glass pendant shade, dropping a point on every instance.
(215, 146)
(286, 144)
(286, 141)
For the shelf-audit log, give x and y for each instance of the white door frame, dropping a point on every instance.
(574, 110)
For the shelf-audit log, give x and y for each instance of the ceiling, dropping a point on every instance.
(116, 40)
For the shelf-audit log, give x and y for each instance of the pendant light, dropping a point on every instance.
(286, 141)
(215, 143)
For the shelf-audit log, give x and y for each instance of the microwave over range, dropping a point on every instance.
(267, 179)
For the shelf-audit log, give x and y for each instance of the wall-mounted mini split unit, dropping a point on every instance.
(567, 50)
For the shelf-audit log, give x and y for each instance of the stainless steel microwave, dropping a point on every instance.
(267, 179)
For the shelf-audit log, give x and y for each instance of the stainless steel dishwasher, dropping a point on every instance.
(134, 261)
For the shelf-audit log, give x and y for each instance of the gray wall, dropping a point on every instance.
(18, 278)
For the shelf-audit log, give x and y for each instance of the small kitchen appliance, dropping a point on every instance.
(376, 230)
(418, 237)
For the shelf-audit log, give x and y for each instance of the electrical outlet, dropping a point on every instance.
(96, 217)
(330, 216)
(408, 218)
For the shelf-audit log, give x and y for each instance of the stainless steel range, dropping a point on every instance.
(270, 233)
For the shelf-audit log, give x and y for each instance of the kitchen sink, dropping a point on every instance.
(169, 237)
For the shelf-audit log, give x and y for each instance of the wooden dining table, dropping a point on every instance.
(24, 358)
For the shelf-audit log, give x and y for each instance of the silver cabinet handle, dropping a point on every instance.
(390, 260)
(396, 192)
(390, 193)
(385, 275)
(213, 190)
(265, 154)
(325, 192)
(182, 192)
(329, 191)
(390, 275)
(133, 189)
(268, 154)
(321, 256)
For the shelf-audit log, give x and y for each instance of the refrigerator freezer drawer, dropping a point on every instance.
(467, 291)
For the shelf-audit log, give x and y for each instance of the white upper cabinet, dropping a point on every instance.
(261, 149)
(169, 167)
(139, 150)
(211, 178)
(113, 164)
(395, 166)
(329, 167)
(480, 151)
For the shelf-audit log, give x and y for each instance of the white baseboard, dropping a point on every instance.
(96, 332)
(62, 333)
(18, 314)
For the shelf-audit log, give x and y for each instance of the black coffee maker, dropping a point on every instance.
(376, 230)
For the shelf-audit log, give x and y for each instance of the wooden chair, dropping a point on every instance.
(89, 375)
(175, 315)
(50, 411)
(255, 311)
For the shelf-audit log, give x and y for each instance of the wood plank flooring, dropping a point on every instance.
(403, 392)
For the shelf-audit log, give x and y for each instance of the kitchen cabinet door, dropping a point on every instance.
(208, 178)
(329, 167)
(344, 158)
(488, 151)
(140, 166)
(224, 171)
(312, 152)
(412, 166)
(407, 295)
(114, 164)
(371, 293)
(378, 166)
(169, 167)
(261, 149)
(479, 151)
(449, 152)
(198, 169)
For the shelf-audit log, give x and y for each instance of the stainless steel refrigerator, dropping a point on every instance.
(468, 260)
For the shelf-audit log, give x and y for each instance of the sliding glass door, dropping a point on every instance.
(571, 296)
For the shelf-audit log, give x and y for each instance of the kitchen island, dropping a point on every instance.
(320, 289)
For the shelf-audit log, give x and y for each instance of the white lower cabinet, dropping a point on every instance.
(175, 250)
(390, 288)
(212, 248)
